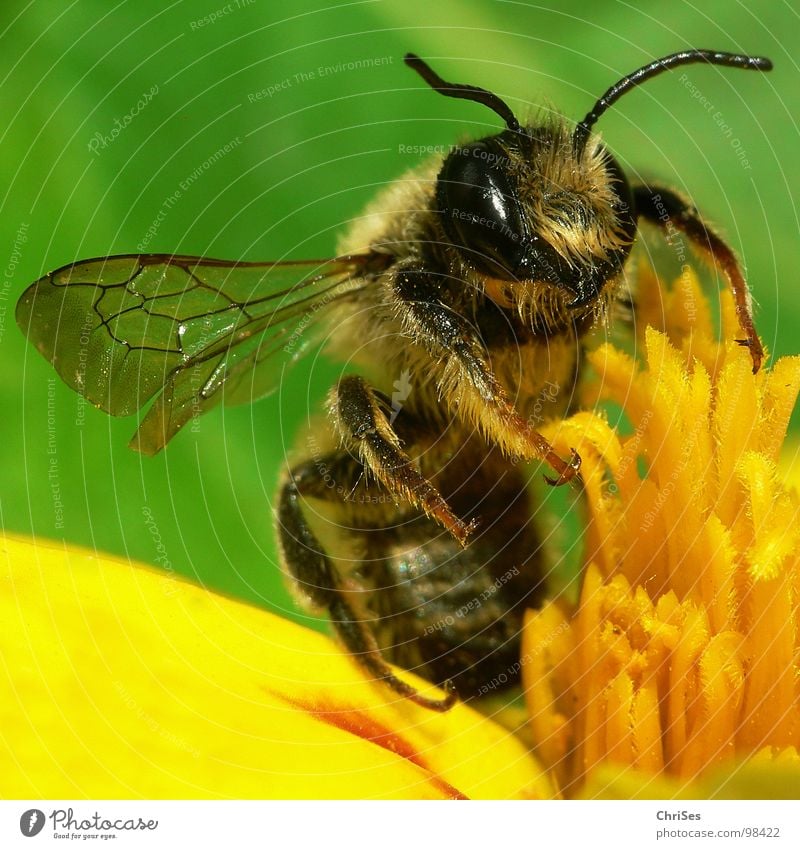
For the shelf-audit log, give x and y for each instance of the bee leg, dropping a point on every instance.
(670, 212)
(319, 579)
(359, 415)
(450, 338)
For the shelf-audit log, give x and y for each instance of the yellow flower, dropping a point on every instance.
(680, 659)
(675, 672)
(117, 681)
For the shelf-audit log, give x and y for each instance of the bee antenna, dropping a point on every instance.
(685, 57)
(465, 92)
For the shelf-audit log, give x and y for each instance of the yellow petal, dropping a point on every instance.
(121, 682)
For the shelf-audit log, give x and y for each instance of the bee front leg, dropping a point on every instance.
(319, 580)
(359, 416)
(669, 211)
(466, 377)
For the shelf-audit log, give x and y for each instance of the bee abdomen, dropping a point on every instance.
(453, 613)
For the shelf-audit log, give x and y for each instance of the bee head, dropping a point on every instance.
(546, 204)
(522, 207)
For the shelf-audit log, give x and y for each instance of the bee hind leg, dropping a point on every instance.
(319, 580)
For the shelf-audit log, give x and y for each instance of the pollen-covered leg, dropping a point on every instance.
(667, 209)
(468, 376)
(318, 579)
(359, 415)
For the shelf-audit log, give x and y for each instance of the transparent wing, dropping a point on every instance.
(120, 330)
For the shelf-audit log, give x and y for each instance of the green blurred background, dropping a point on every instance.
(304, 161)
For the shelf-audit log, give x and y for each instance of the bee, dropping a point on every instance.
(463, 299)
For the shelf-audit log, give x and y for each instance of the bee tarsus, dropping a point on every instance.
(568, 471)
(666, 208)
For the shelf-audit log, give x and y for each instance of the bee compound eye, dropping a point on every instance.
(482, 216)
(480, 211)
